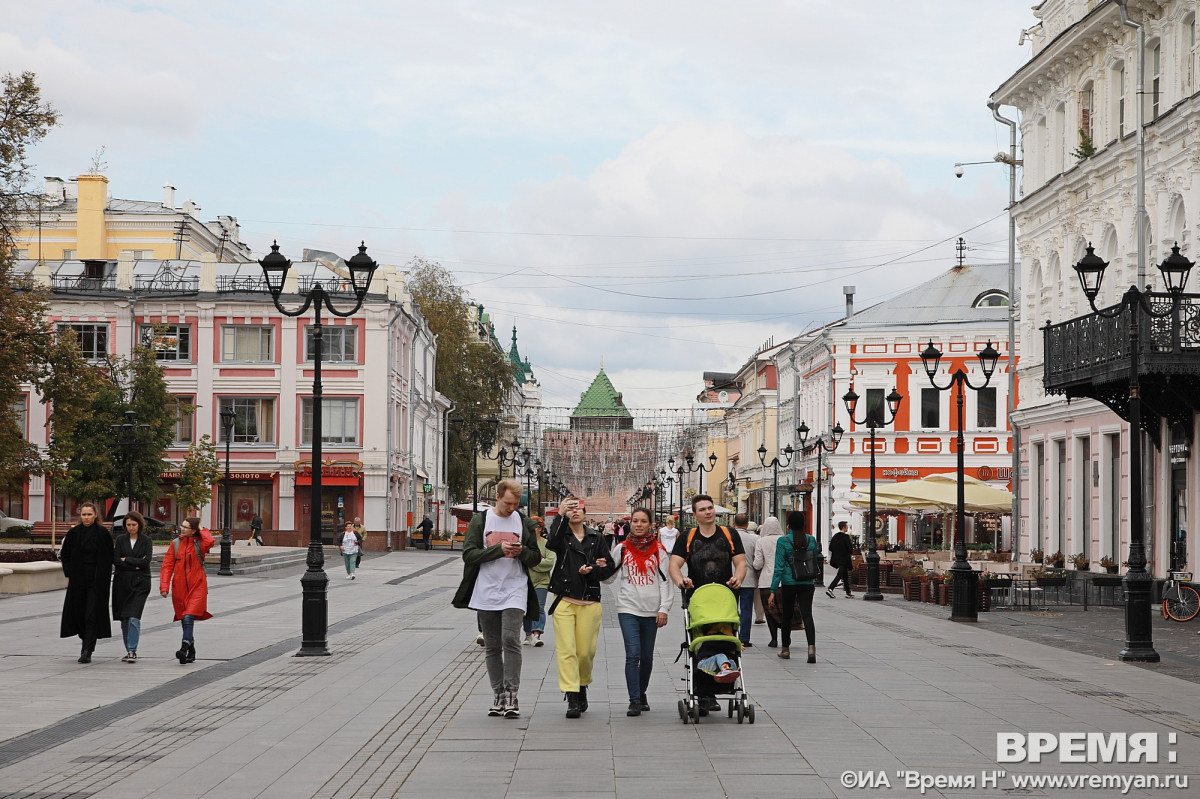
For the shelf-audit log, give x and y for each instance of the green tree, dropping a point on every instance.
(200, 470)
(25, 342)
(86, 442)
(474, 374)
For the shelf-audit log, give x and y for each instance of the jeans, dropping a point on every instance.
(788, 596)
(131, 629)
(639, 633)
(843, 577)
(425, 539)
(745, 598)
(502, 647)
(189, 625)
(538, 625)
(351, 562)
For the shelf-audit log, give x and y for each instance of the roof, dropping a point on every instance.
(948, 298)
(719, 379)
(522, 370)
(601, 399)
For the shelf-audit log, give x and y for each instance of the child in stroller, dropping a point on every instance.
(712, 656)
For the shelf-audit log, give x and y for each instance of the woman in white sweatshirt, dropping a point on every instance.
(644, 598)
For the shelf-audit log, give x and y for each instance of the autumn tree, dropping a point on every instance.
(475, 375)
(25, 341)
(198, 473)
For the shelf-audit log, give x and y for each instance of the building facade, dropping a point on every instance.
(1077, 98)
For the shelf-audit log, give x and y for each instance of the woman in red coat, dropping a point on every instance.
(183, 575)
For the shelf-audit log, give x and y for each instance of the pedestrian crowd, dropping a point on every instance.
(513, 565)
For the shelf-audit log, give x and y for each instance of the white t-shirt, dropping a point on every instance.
(502, 583)
(668, 536)
(349, 543)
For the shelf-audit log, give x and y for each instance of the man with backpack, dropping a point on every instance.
(713, 554)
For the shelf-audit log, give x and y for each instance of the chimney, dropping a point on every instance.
(56, 188)
(849, 292)
(168, 195)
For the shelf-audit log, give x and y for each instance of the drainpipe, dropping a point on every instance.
(388, 448)
(1012, 338)
(412, 412)
(1141, 140)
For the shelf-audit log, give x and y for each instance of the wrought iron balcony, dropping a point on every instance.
(166, 283)
(78, 284)
(237, 284)
(1089, 356)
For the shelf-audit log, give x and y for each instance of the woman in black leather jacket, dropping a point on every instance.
(582, 560)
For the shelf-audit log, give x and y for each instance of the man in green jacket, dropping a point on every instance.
(499, 548)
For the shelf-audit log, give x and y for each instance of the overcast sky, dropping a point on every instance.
(661, 185)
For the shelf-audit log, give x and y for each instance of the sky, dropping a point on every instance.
(658, 187)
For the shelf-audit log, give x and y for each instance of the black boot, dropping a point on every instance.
(191, 652)
(85, 655)
(583, 705)
(182, 653)
(573, 711)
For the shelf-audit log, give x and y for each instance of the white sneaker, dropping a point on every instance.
(528, 640)
(479, 639)
(537, 639)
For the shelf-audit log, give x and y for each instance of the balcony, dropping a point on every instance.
(238, 284)
(166, 284)
(1089, 356)
(78, 284)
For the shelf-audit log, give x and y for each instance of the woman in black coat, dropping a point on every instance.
(87, 557)
(131, 581)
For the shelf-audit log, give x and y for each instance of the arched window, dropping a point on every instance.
(1154, 78)
(1061, 138)
(1117, 97)
(1086, 100)
(992, 298)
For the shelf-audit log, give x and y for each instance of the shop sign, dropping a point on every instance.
(330, 468)
(1180, 448)
(899, 472)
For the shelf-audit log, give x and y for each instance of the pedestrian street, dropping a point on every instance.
(399, 708)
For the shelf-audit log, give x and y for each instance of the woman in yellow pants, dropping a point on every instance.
(582, 560)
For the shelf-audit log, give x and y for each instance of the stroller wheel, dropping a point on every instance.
(696, 712)
(750, 713)
(683, 711)
(741, 713)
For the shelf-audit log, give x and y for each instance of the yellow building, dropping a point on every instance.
(77, 220)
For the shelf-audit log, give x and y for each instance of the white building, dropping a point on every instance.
(1077, 98)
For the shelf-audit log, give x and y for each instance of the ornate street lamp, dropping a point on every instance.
(668, 482)
(965, 580)
(873, 420)
(775, 464)
(1137, 583)
(314, 617)
(480, 434)
(228, 416)
(692, 466)
(821, 447)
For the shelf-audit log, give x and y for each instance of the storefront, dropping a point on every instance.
(250, 494)
(341, 496)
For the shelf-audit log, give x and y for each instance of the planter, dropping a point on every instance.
(996, 582)
(1111, 569)
(1084, 568)
(1051, 582)
(924, 592)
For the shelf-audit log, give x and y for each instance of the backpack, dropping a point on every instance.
(712, 562)
(804, 566)
(195, 542)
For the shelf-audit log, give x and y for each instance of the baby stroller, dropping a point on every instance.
(711, 604)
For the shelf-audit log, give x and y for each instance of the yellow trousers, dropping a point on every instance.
(576, 628)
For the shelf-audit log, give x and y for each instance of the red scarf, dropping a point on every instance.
(640, 556)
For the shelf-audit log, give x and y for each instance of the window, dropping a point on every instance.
(247, 344)
(1155, 79)
(1083, 540)
(21, 254)
(985, 408)
(931, 408)
(69, 255)
(1114, 495)
(140, 255)
(337, 343)
(253, 422)
(875, 407)
(20, 414)
(92, 338)
(1118, 97)
(1061, 484)
(1085, 111)
(183, 406)
(1189, 55)
(1038, 500)
(169, 342)
(991, 299)
(339, 421)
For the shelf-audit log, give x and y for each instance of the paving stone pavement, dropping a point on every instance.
(399, 708)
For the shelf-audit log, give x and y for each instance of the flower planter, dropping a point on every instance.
(1051, 582)
(925, 592)
(1111, 569)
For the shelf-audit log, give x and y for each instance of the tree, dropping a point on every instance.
(200, 470)
(86, 443)
(25, 342)
(475, 375)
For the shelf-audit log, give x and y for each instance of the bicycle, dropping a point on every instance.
(1181, 601)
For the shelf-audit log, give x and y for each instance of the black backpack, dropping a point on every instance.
(804, 563)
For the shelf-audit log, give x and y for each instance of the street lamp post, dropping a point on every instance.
(775, 464)
(228, 416)
(873, 420)
(529, 470)
(692, 466)
(480, 434)
(732, 481)
(314, 617)
(965, 580)
(668, 482)
(835, 438)
(504, 460)
(1139, 639)
(678, 471)
(129, 434)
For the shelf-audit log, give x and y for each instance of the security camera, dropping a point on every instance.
(958, 170)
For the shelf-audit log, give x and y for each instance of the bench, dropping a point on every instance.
(416, 542)
(32, 578)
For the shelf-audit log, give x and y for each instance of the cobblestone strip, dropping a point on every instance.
(384, 763)
(212, 708)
